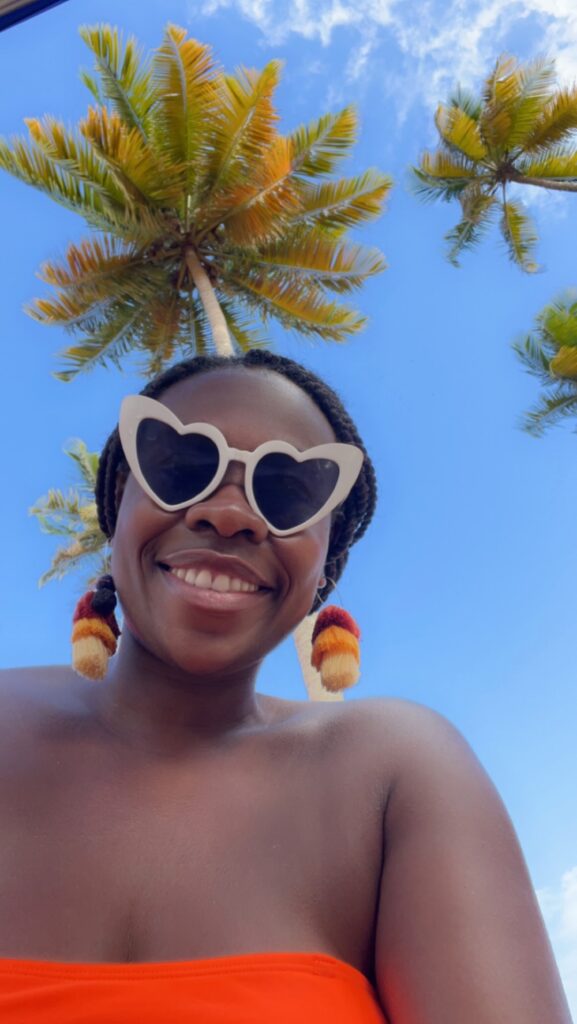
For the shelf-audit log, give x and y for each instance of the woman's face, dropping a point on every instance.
(198, 630)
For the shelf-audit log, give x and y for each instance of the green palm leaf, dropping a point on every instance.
(519, 235)
(460, 132)
(125, 74)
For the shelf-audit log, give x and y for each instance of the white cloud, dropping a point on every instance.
(438, 42)
(559, 908)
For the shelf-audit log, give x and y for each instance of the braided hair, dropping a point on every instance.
(351, 518)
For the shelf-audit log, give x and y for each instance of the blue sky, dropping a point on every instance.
(464, 586)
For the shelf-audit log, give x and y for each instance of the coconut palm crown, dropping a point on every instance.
(550, 354)
(207, 220)
(519, 131)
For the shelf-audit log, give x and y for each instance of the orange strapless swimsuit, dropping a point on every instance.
(262, 988)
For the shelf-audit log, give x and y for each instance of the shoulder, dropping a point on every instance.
(30, 695)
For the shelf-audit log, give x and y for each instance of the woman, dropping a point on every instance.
(178, 847)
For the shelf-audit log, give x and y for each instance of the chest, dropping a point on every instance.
(277, 847)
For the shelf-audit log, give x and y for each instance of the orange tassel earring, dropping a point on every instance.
(95, 630)
(336, 653)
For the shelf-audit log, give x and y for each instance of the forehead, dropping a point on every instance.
(250, 406)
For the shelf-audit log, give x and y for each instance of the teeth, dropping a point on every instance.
(204, 579)
(220, 582)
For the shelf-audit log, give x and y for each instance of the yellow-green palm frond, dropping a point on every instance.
(135, 167)
(108, 335)
(477, 208)
(324, 262)
(536, 80)
(244, 124)
(91, 279)
(125, 74)
(557, 322)
(319, 146)
(551, 409)
(73, 515)
(501, 93)
(260, 208)
(303, 308)
(30, 165)
(187, 101)
(556, 123)
(71, 153)
(535, 354)
(559, 164)
(444, 175)
(245, 334)
(460, 132)
(345, 203)
(519, 235)
(161, 329)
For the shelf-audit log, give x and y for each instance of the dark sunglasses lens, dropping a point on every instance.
(289, 492)
(175, 466)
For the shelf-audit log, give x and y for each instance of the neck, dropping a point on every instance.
(161, 708)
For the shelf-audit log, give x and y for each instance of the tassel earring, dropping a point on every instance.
(95, 630)
(336, 653)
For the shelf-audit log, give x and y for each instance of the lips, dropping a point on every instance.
(217, 565)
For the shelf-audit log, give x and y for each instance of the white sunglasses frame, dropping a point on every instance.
(135, 408)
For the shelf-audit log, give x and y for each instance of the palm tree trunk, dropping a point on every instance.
(555, 186)
(216, 318)
(302, 638)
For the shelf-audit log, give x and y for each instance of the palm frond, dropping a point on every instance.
(477, 208)
(319, 146)
(244, 125)
(467, 101)
(110, 336)
(125, 74)
(136, 169)
(259, 208)
(536, 79)
(303, 309)
(558, 163)
(557, 322)
(519, 235)
(460, 132)
(345, 203)
(185, 77)
(551, 409)
(535, 356)
(86, 463)
(500, 94)
(556, 124)
(443, 176)
(245, 334)
(324, 262)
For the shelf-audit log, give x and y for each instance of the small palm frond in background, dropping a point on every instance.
(73, 517)
(550, 354)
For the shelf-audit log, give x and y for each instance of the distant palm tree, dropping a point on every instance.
(73, 516)
(208, 219)
(518, 132)
(550, 353)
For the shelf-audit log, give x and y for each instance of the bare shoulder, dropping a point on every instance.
(29, 695)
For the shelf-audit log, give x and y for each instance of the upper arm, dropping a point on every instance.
(460, 939)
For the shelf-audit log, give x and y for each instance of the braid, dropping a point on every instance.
(353, 516)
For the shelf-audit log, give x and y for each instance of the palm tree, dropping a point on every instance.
(73, 516)
(207, 219)
(550, 353)
(519, 132)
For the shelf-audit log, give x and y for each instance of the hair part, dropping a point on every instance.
(350, 520)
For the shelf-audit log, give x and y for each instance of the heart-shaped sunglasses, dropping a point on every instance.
(179, 464)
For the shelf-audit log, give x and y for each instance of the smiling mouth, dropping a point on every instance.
(205, 579)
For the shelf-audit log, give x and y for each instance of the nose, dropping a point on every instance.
(227, 511)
